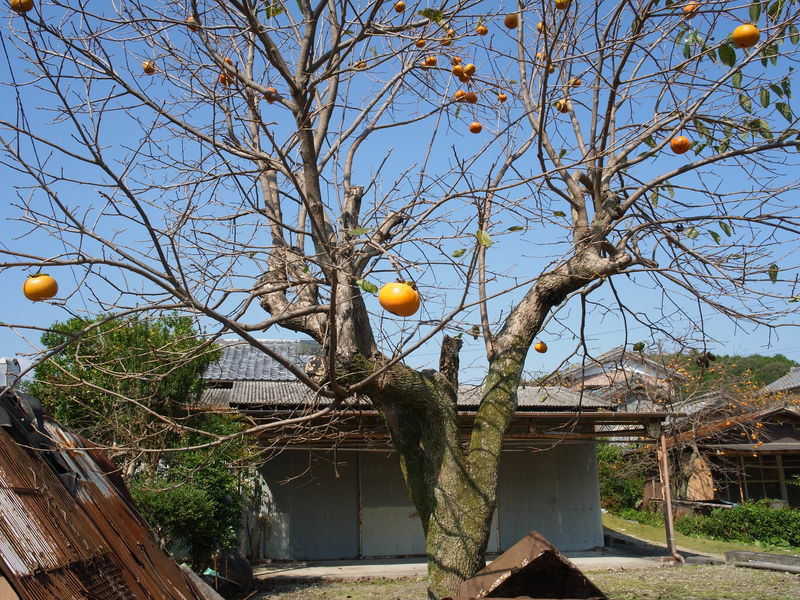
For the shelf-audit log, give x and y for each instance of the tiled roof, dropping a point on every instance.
(294, 394)
(790, 381)
(537, 397)
(246, 376)
(275, 393)
(242, 362)
(612, 360)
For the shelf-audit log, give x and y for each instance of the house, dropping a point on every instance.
(68, 526)
(334, 489)
(729, 459)
(628, 380)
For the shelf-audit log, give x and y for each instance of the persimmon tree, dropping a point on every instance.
(274, 163)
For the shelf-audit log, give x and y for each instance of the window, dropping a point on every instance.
(762, 478)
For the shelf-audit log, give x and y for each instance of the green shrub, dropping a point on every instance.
(193, 500)
(642, 516)
(621, 484)
(748, 522)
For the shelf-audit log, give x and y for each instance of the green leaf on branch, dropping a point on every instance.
(273, 9)
(724, 145)
(459, 253)
(727, 55)
(484, 239)
(787, 87)
(785, 110)
(764, 97)
(794, 34)
(692, 233)
(727, 229)
(775, 10)
(432, 14)
(716, 236)
(515, 228)
(755, 11)
(770, 54)
(649, 141)
(736, 80)
(777, 89)
(358, 231)
(762, 127)
(559, 213)
(702, 129)
(638, 346)
(687, 50)
(368, 287)
(745, 103)
(654, 197)
(773, 273)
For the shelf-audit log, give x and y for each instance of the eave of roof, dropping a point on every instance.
(790, 381)
(766, 448)
(729, 423)
(267, 394)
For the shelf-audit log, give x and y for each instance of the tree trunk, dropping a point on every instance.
(454, 488)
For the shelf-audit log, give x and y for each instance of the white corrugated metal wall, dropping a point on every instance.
(328, 505)
(312, 505)
(554, 491)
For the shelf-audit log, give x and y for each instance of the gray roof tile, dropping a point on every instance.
(243, 362)
(295, 394)
(790, 381)
(271, 393)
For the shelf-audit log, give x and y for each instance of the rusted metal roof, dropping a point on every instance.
(531, 568)
(68, 527)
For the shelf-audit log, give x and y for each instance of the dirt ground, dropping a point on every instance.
(669, 583)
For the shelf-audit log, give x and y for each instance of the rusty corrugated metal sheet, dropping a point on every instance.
(531, 568)
(67, 529)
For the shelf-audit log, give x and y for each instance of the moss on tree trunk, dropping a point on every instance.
(452, 483)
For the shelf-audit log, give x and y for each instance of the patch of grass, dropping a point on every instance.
(374, 589)
(698, 583)
(692, 544)
(668, 583)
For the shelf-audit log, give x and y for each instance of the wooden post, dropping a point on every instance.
(669, 519)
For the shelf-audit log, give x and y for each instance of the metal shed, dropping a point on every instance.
(68, 527)
(341, 495)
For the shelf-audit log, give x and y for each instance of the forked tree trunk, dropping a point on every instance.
(452, 481)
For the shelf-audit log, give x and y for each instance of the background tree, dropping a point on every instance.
(132, 384)
(154, 365)
(291, 156)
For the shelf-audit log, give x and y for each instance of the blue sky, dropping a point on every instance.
(513, 254)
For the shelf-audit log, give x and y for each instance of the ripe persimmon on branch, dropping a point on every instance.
(274, 164)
